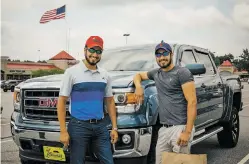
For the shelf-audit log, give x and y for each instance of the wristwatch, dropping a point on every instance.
(115, 129)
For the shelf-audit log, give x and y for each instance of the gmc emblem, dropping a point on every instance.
(48, 102)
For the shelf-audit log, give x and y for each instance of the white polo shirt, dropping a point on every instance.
(86, 89)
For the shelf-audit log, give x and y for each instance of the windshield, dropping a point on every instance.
(136, 59)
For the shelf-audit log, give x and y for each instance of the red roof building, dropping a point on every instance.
(63, 55)
(31, 66)
(227, 63)
(23, 70)
(227, 66)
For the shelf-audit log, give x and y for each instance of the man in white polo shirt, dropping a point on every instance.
(87, 86)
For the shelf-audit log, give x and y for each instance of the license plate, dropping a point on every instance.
(54, 153)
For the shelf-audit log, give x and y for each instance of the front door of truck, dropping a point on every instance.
(214, 85)
(200, 83)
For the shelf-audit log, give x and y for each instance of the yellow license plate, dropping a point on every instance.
(54, 153)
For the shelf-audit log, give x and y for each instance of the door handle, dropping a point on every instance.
(219, 85)
(203, 85)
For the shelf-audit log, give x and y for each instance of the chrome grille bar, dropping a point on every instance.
(41, 105)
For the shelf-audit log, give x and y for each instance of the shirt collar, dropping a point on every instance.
(85, 69)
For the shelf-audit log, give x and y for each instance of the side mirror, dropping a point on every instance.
(196, 69)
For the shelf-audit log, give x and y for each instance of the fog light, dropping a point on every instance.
(121, 98)
(126, 139)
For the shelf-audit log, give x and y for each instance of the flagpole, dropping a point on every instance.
(68, 42)
(66, 29)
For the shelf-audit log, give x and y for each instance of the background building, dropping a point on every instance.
(23, 70)
(227, 66)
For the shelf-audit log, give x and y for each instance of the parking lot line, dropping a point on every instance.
(246, 158)
(5, 141)
(5, 124)
(245, 106)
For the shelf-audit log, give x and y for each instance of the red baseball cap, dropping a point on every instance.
(94, 41)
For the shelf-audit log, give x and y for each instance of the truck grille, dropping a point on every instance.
(41, 105)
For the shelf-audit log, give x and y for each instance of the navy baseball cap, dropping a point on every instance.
(164, 46)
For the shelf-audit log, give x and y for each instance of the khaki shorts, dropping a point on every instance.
(167, 141)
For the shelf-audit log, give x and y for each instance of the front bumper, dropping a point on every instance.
(31, 141)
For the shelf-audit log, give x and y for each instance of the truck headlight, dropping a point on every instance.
(16, 99)
(16, 96)
(124, 98)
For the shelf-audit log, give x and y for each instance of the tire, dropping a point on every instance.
(228, 138)
(12, 89)
(5, 90)
(151, 158)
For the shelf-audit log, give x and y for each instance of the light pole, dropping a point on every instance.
(38, 55)
(126, 35)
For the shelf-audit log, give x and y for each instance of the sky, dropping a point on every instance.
(219, 25)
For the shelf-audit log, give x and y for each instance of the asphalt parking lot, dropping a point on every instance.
(216, 155)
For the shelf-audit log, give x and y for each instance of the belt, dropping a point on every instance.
(93, 121)
(167, 126)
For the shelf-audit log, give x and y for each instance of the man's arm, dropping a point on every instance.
(111, 108)
(61, 112)
(65, 91)
(186, 80)
(190, 95)
(140, 77)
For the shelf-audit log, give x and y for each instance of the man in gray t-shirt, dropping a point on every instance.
(177, 102)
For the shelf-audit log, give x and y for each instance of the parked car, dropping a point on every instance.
(10, 85)
(2, 83)
(34, 122)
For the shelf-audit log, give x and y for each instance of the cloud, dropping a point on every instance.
(241, 15)
(100, 3)
(148, 21)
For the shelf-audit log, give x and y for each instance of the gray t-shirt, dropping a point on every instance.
(172, 102)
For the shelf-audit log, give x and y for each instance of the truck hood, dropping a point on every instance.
(120, 79)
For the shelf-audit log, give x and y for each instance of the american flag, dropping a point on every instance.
(58, 13)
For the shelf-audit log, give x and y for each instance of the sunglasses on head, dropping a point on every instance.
(92, 50)
(165, 53)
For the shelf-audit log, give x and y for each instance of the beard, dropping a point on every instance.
(166, 65)
(91, 61)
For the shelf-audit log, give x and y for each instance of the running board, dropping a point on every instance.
(207, 134)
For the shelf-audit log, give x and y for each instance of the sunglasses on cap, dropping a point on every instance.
(92, 50)
(165, 53)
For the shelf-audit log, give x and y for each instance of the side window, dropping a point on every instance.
(187, 58)
(205, 59)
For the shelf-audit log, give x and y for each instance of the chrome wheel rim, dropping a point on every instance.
(235, 127)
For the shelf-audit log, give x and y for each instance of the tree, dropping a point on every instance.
(42, 61)
(238, 64)
(28, 61)
(39, 73)
(216, 59)
(229, 57)
(244, 61)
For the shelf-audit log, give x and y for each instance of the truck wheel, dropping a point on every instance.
(228, 138)
(5, 90)
(151, 158)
